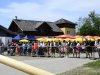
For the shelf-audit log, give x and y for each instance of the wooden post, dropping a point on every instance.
(22, 66)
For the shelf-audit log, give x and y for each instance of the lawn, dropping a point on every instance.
(94, 65)
(92, 68)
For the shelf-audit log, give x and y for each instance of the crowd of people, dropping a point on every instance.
(52, 49)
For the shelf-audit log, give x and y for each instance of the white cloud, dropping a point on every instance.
(50, 10)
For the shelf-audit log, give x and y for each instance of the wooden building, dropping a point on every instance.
(42, 28)
(6, 35)
(66, 26)
(4, 32)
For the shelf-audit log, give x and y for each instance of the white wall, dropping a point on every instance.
(5, 40)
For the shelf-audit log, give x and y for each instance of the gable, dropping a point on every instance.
(43, 25)
(14, 27)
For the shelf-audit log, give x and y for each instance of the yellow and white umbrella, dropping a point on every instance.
(96, 37)
(24, 40)
(79, 39)
(68, 39)
(42, 39)
(57, 39)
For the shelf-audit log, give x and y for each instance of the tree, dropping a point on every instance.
(90, 25)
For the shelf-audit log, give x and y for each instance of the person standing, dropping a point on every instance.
(48, 48)
(97, 44)
(1, 47)
(17, 48)
(88, 48)
(78, 48)
(74, 43)
(24, 49)
(35, 49)
(29, 48)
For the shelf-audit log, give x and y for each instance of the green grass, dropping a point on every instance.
(92, 68)
(95, 64)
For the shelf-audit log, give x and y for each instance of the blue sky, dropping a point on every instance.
(46, 10)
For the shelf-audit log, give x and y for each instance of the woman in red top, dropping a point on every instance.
(17, 49)
(34, 48)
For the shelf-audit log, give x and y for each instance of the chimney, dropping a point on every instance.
(16, 17)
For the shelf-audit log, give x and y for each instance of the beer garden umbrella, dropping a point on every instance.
(89, 38)
(96, 37)
(24, 40)
(45, 39)
(64, 36)
(57, 39)
(29, 37)
(67, 39)
(42, 39)
(18, 37)
(79, 38)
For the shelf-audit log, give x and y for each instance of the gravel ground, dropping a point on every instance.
(54, 65)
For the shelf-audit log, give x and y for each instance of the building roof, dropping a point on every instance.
(30, 25)
(54, 27)
(25, 25)
(64, 21)
(8, 31)
(39, 24)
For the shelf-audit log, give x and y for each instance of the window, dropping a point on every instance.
(68, 32)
